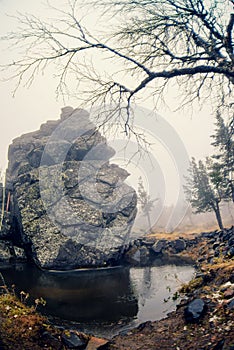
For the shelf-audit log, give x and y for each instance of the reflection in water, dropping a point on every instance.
(154, 288)
(104, 301)
(99, 296)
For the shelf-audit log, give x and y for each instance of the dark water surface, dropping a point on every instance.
(103, 301)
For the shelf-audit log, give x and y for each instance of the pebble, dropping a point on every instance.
(229, 293)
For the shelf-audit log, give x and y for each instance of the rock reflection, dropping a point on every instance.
(103, 295)
(105, 301)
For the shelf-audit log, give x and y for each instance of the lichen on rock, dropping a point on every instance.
(71, 207)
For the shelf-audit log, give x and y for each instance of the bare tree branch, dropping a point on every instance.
(155, 42)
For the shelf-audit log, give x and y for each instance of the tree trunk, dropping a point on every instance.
(149, 222)
(232, 190)
(218, 216)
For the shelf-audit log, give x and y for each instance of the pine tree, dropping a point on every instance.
(224, 144)
(205, 188)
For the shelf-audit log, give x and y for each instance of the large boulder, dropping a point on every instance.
(71, 207)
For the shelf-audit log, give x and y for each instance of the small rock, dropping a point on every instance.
(179, 245)
(227, 236)
(231, 252)
(139, 256)
(232, 278)
(200, 275)
(210, 259)
(226, 286)
(201, 259)
(216, 245)
(216, 253)
(147, 242)
(50, 340)
(159, 246)
(147, 324)
(230, 305)
(20, 254)
(229, 293)
(5, 252)
(73, 340)
(136, 256)
(144, 253)
(219, 345)
(96, 343)
(195, 310)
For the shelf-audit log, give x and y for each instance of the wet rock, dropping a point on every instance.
(159, 246)
(147, 324)
(195, 310)
(73, 341)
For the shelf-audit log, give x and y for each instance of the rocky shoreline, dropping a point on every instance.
(204, 316)
(204, 319)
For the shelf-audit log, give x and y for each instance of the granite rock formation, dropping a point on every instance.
(70, 207)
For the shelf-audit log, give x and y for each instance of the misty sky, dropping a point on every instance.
(31, 107)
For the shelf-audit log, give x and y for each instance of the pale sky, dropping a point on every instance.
(31, 107)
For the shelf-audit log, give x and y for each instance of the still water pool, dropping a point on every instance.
(104, 302)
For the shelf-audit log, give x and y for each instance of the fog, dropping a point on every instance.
(30, 107)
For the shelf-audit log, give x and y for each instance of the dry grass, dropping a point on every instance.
(21, 326)
(191, 286)
(221, 264)
(172, 236)
(186, 232)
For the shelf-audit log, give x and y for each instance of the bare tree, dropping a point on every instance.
(188, 43)
(146, 202)
(2, 199)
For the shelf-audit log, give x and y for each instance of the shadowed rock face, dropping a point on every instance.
(70, 205)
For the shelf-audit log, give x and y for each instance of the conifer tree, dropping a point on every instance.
(224, 156)
(205, 188)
